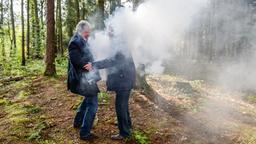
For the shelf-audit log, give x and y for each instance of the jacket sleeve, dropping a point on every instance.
(76, 57)
(109, 62)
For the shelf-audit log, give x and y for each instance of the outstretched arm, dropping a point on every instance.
(110, 62)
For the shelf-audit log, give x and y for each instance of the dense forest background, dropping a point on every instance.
(30, 35)
(223, 32)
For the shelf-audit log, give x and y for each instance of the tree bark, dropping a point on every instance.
(77, 11)
(83, 10)
(22, 34)
(50, 69)
(13, 25)
(113, 5)
(71, 19)
(136, 3)
(28, 28)
(2, 30)
(59, 28)
(37, 31)
(101, 4)
(2, 13)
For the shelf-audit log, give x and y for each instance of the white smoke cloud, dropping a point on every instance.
(151, 32)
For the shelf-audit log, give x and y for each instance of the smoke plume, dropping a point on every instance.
(151, 32)
(199, 38)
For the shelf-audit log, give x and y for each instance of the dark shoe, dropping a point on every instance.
(117, 137)
(77, 126)
(89, 137)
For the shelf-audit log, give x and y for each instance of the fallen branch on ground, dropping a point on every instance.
(9, 79)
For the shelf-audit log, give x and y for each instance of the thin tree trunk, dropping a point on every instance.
(101, 4)
(136, 4)
(71, 17)
(113, 5)
(50, 69)
(77, 10)
(37, 31)
(60, 33)
(2, 30)
(56, 26)
(42, 13)
(28, 29)
(13, 25)
(10, 36)
(2, 13)
(83, 10)
(22, 34)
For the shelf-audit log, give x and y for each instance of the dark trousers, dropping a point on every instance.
(122, 112)
(86, 114)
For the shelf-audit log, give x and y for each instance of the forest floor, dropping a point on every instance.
(38, 109)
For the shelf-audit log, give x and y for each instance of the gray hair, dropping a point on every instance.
(82, 26)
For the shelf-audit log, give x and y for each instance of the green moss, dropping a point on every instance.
(35, 134)
(32, 109)
(139, 137)
(103, 97)
(15, 110)
(251, 98)
(16, 113)
(4, 102)
(23, 94)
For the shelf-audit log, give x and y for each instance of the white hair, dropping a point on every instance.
(82, 26)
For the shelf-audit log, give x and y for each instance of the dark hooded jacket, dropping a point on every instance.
(121, 71)
(80, 55)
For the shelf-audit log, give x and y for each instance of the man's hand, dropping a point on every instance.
(88, 66)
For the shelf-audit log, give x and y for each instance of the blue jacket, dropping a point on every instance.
(79, 55)
(121, 71)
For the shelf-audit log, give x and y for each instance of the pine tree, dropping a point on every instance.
(28, 28)
(22, 34)
(59, 28)
(13, 26)
(50, 69)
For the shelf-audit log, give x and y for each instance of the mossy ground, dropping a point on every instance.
(40, 110)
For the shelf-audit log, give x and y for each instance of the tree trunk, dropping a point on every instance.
(113, 5)
(13, 25)
(71, 19)
(2, 30)
(77, 11)
(83, 10)
(2, 13)
(60, 31)
(37, 32)
(22, 34)
(101, 4)
(136, 3)
(42, 12)
(28, 29)
(59, 28)
(50, 69)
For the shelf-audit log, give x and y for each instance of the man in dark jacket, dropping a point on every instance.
(80, 79)
(121, 79)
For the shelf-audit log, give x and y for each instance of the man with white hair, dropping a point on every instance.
(81, 81)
